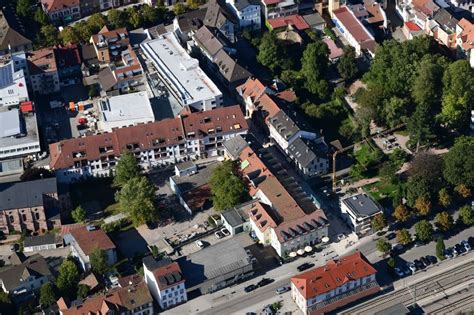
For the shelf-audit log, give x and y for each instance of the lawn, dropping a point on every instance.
(382, 191)
(367, 155)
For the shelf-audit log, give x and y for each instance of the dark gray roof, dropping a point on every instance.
(362, 205)
(230, 69)
(242, 4)
(285, 126)
(35, 265)
(213, 261)
(15, 195)
(191, 20)
(235, 146)
(218, 13)
(239, 214)
(45, 239)
(151, 263)
(446, 21)
(305, 151)
(201, 177)
(185, 165)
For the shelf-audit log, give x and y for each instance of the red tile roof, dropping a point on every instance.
(163, 271)
(54, 5)
(354, 27)
(334, 274)
(162, 133)
(296, 21)
(90, 240)
(271, 2)
(412, 26)
(467, 34)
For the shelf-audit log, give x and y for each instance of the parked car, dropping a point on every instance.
(459, 248)
(432, 259)
(419, 264)
(411, 266)
(419, 243)
(454, 251)
(264, 282)
(398, 272)
(390, 236)
(151, 225)
(305, 266)
(14, 247)
(396, 250)
(466, 245)
(225, 232)
(200, 244)
(470, 240)
(250, 288)
(283, 289)
(425, 261)
(219, 234)
(448, 253)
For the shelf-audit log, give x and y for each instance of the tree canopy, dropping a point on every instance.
(379, 222)
(98, 260)
(136, 200)
(47, 295)
(466, 215)
(228, 190)
(459, 164)
(68, 277)
(126, 169)
(424, 230)
(347, 66)
(79, 215)
(382, 245)
(313, 67)
(444, 221)
(404, 237)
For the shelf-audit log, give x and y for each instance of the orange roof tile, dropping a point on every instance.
(90, 240)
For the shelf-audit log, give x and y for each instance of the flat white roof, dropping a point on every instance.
(134, 106)
(23, 143)
(13, 88)
(182, 71)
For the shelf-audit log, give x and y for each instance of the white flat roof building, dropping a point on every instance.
(181, 73)
(125, 110)
(13, 88)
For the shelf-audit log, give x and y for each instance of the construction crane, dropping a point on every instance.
(334, 155)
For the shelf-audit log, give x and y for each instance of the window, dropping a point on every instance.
(12, 219)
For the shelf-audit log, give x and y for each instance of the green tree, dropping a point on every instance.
(98, 259)
(179, 8)
(401, 213)
(314, 65)
(41, 17)
(347, 66)
(79, 215)
(49, 35)
(458, 96)
(126, 169)
(6, 305)
(383, 246)
(440, 248)
(404, 237)
(444, 198)
(96, 22)
(421, 125)
(69, 35)
(391, 263)
(379, 222)
(150, 15)
(68, 278)
(427, 85)
(424, 230)
(458, 162)
(268, 52)
(417, 187)
(136, 199)
(444, 221)
(228, 190)
(388, 172)
(463, 191)
(47, 295)
(117, 18)
(23, 8)
(136, 20)
(395, 111)
(466, 215)
(82, 291)
(398, 157)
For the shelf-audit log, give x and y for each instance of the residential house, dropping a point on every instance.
(443, 28)
(168, 141)
(11, 40)
(233, 147)
(338, 283)
(62, 11)
(214, 14)
(68, 61)
(411, 30)
(33, 206)
(25, 276)
(279, 8)
(315, 22)
(248, 13)
(236, 220)
(294, 21)
(40, 242)
(276, 218)
(185, 168)
(165, 281)
(354, 31)
(193, 190)
(310, 158)
(359, 210)
(122, 72)
(43, 69)
(217, 59)
(335, 52)
(216, 267)
(134, 299)
(181, 73)
(84, 240)
(465, 40)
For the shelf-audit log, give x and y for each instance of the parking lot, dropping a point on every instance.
(388, 143)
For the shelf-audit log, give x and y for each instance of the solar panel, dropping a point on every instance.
(6, 75)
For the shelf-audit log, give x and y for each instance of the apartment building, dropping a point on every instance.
(33, 206)
(165, 281)
(248, 13)
(338, 283)
(62, 11)
(43, 70)
(181, 73)
(276, 218)
(84, 240)
(11, 41)
(168, 141)
(465, 40)
(279, 8)
(121, 68)
(359, 210)
(13, 89)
